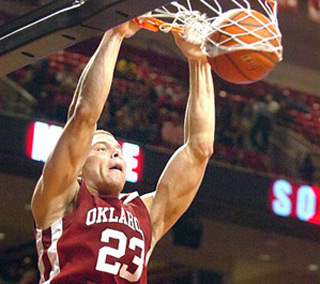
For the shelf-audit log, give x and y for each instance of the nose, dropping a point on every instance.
(115, 153)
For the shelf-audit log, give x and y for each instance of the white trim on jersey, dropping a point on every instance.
(40, 249)
(52, 252)
(56, 233)
(122, 195)
(148, 255)
(130, 197)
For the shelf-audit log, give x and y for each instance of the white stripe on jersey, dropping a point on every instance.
(56, 233)
(149, 255)
(130, 197)
(39, 246)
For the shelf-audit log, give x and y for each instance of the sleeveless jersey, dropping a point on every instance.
(105, 239)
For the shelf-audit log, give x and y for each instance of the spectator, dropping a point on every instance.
(264, 112)
(123, 122)
(295, 101)
(45, 105)
(66, 79)
(36, 77)
(143, 131)
(172, 130)
(243, 125)
(307, 169)
(61, 103)
(273, 105)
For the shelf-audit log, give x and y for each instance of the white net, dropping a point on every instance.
(199, 20)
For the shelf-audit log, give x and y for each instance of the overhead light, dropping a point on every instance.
(265, 257)
(2, 236)
(313, 267)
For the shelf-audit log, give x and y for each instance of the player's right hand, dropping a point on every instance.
(127, 29)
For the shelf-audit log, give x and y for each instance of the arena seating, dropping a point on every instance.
(298, 111)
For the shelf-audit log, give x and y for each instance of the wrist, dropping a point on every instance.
(201, 61)
(112, 36)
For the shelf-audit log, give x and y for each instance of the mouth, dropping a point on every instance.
(117, 168)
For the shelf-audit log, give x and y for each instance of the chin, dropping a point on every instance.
(112, 187)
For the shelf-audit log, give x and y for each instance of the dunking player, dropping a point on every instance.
(87, 232)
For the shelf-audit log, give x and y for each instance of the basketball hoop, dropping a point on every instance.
(196, 22)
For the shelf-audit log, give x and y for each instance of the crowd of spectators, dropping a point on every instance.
(147, 104)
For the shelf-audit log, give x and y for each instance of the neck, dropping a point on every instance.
(94, 189)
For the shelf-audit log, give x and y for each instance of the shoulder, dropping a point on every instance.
(47, 209)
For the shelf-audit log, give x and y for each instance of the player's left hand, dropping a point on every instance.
(190, 50)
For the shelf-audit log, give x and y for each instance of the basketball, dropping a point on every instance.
(240, 27)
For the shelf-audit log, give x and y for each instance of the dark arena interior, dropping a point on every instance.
(256, 218)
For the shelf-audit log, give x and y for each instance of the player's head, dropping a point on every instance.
(104, 169)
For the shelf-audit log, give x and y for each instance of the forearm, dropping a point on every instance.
(95, 81)
(183, 175)
(199, 124)
(76, 93)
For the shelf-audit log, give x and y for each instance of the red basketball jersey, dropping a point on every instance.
(105, 239)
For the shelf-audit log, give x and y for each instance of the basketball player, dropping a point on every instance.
(87, 232)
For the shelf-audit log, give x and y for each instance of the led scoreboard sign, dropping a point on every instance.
(295, 200)
(42, 137)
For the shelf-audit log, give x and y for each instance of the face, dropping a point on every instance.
(104, 170)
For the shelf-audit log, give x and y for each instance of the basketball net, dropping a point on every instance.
(196, 27)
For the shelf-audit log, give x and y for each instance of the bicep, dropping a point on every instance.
(58, 183)
(176, 189)
(68, 156)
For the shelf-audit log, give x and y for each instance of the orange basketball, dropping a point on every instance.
(244, 66)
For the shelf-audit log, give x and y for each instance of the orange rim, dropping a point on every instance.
(153, 24)
(272, 3)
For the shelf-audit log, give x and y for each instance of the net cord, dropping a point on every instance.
(183, 17)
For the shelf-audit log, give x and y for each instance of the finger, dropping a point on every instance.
(177, 37)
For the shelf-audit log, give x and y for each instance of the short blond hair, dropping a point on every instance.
(101, 131)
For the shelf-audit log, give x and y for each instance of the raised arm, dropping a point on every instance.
(57, 187)
(184, 172)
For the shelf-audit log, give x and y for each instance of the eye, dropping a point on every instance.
(102, 149)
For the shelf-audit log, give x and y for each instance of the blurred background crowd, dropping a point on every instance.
(147, 104)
